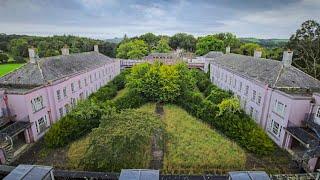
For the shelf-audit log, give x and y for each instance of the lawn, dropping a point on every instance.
(6, 68)
(192, 147)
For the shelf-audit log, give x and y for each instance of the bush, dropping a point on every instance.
(216, 95)
(202, 79)
(122, 141)
(129, 100)
(3, 58)
(105, 93)
(245, 132)
(120, 80)
(75, 124)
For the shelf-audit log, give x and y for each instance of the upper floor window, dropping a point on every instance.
(259, 100)
(247, 90)
(254, 93)
(65, 91)
(37, 104)
(235, 83)
(95, 76)
(59, 94)
(240, 86)
(85, 82)
(230, 79)
(90, 78)
(72, 87)
(79, 83)
(226, 78)
(279, 108)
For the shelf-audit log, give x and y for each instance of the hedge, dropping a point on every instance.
(130, 100)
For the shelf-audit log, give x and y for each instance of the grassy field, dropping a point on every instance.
(192, 147)
(6, 68)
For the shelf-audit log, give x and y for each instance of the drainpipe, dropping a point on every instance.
(268, 107)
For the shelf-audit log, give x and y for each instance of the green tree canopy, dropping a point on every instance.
(249, 48)
(134, 49)
(305, 44)
(183, 40)
(3, 58)
(159, 82)
(228, 39)
(209, 43)
(163, 46)
(150, 39)
(19, 47)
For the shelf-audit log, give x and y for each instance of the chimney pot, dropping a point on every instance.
(32, 54)
(65, 50)
(96, 48)
(228, 50)
(257, 54)
(287, 58)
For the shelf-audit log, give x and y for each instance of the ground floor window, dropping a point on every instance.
(275, 128)
(42, 124)
(61, 112)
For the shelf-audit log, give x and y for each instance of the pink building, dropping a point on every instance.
(283, 100)
(42, 91)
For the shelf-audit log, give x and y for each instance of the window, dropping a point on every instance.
(41, 124)
(235, 83)
(279, 108)
(240, 87)
(58, 94)
(225, 80)
(67, 107)
(37, 104)
(90, 78)
(318, 112)
(85, 82)
(251, 111)
(65, 91)
(72, 87)
(230, 79)
(61, 112)
(247, 90)
(73, 102)
(79, 83)
(275, 128)
(95, 76)
(256, 115)
(259, 100)
(254, 93)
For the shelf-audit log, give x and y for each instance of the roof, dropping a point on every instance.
(49, 69)
(303, 136)
(15, 128)
(271, 72)
(139, 174)
(28, 172)
(247, 175)
(213, 54)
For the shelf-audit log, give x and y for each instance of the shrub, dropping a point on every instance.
(245, 132)
(74, 125)
(120, 80)
(231, 104)
(123, 140)
(3, 58)
(131, 99)
(105, 93)
(216, 95)
(202, 79)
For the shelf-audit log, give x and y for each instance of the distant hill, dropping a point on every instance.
(268, 43)
(114, 40)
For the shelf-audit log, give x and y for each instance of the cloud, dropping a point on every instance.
(110, 18)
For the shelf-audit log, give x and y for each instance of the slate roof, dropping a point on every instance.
(48, 69)
(213, 54)
(271, 72)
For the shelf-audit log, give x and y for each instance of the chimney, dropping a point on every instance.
(228, 50)
(65, 50)
(32, 54)
(96, 48)
(257, 53)
(287, 58)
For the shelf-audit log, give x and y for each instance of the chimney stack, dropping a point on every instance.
(32, 54)
(228, 50)
(96, 48)
(287, 58)
(65, 50)
(257, 53)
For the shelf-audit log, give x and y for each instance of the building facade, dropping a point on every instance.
(42, 91)
(278, 97)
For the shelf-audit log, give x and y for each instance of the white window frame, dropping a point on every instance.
(58, 94)
(280, 108)
(275, 128)
(246, 90)
(64, 92)
(254, 93)
(72, 87)
(37, 104)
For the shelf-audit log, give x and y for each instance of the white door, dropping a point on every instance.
(317, 116)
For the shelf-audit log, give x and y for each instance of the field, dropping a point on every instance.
(6, 68)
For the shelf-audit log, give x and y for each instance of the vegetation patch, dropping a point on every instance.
(6, 68)
(193, 147)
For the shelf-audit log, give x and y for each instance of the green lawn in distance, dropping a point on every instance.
(6, 68)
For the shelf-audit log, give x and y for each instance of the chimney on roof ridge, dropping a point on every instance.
(65, 50)
(228, 50)
(32, 54)
(96, 48)
(287, 58)
(257, 53)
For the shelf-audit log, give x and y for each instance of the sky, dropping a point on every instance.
(103, 19)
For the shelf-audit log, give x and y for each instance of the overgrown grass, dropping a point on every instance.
(192, 147)
(6, 68)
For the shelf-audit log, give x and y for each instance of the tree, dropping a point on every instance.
(134, 49)
(306, 46)
(249, 48)
(19, 47)
(108, 49)
(163, 46)
(183, 40)
(228, 39)
(151, 40)
(3, 58)
(207, 44)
